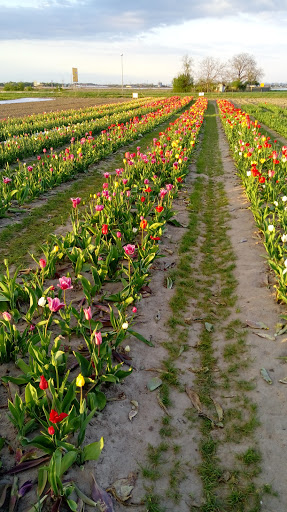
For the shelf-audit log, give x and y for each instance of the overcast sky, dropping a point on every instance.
(41, 40)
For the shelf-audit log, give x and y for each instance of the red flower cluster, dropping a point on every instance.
(55, 417)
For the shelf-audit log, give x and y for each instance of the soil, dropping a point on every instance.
(127, 440)
(57, 104)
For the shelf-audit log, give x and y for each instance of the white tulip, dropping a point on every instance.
(42, 302)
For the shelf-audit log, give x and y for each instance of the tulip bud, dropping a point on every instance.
(80, 381)
(43, 383)
(7, 316)
(42, 263)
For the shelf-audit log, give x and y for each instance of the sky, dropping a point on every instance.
(139, 41)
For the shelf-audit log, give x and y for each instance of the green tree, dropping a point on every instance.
(183, 82)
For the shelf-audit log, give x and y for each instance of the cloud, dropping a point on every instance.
(94, 20)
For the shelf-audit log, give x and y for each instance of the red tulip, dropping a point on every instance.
(51, 430)
(105, 229)
(55, 417)
(43, 383)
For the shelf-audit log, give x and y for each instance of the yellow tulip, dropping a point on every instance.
(80, 381)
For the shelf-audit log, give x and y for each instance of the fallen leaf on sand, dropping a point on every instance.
(219, 410)
(121, 489)
(102, 498)
(161, 404)
(256, 325)
(264, 335)
(283, 381)
(154, 383)
(281, 331)
(195, 400)
(208, 326)
(265, 375)
(133, 413)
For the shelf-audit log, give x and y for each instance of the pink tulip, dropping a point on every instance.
(106, 174)
(55, 304)
(7, 316)
(134, 310)
(169, 186)
(98, 337)
(125, 181)
(75, 201)
(65, 283)
(163, 192)
(88, 313)
(7, 180)
(129, 249)
(42, 263)
(99, 207)
(99, 341)
(119, 235)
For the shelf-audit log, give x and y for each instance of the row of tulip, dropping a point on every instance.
(22, 146)
(262, 166)
(11, 127)
(114, 239)
(51, 169)
(271, 115)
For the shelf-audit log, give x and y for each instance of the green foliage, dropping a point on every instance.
(182, 83)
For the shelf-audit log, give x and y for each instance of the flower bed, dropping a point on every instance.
(52, 169)
(262, 166)
(65, 321)
(22, 146)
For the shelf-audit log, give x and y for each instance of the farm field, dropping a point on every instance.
(143, 321)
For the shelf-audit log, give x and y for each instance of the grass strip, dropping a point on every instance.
(205, 274)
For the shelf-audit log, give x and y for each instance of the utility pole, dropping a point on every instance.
(122, 63)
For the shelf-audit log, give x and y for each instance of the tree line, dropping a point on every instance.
(241, 70)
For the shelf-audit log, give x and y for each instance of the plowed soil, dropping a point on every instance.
(57, 104)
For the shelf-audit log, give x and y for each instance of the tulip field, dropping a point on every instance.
(67, 320)
(114, 238)
(262, 168)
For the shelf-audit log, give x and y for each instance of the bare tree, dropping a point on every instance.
(187, 64)
(243, 68)
(211, 71)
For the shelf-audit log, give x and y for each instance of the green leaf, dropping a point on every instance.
(93, 451)
(41, 442)
(25, 368)
(73, 505)
(175, 223)
(85, 365)
(96, 400)
(67, 461)
(140, 337)
(42, 480)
